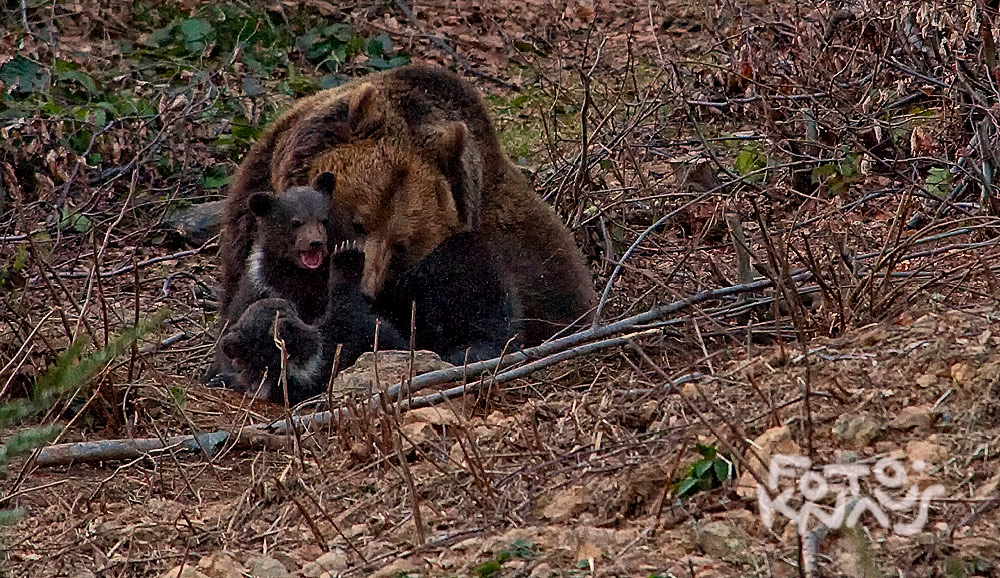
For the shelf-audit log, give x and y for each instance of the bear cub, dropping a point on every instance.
(459, 300)
(289, 259)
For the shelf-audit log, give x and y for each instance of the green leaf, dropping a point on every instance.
(161, 36)
(21, 258)
(24, 441)
(23, 75)
(179, 396)
(216, 181)
(750, 160)
(488, 570)
(701, 467)
(721, 470)
(524, 46)
(69, 218)
(378, 46)
(10, 517)
(340, 31)
(822, 172)
(938, 182)
(194, 30)
(708, 451)
(685, 486)
(81, 78)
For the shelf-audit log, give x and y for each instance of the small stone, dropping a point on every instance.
(913, 417)
(927, 452)
(221, 565)
(959, 372)
(855, 429)
(777, 440)
(543, 570)
(566, 504)
(334, 562)
(185, 571)
(399, 568)
(721, 539)
(990, 488)
(393, 367)
(457, 455)
(418, 433)
(439, 416)
(263, 567)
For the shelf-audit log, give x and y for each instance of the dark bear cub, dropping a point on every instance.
(290, 256)
(465, 311)
(289, 260)
(349, 323)
(256, 360)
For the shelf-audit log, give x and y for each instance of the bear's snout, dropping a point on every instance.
(311, 245)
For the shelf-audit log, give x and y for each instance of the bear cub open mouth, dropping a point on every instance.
(312, 258)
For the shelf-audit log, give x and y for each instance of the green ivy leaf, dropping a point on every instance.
(378, 46)
(750, 160)
(179, 396)
(686, 486)
(938, 182)
(81, 78)
(701, 467)
(721, 470)
(161, 36)
(23, 75)
(194, 30)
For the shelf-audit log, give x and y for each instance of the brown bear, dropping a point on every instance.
(415, 161)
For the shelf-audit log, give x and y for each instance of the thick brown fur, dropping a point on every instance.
(417, 160)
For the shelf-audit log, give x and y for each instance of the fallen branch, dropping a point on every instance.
(209, 443)
(544, 355)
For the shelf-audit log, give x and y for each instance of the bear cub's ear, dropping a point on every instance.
(301, 341)
(325, 182)
(261, 203)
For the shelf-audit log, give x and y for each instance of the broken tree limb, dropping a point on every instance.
(96, 451)
(534, 358)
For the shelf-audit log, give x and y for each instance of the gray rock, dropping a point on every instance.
(195, 224)
(358, 381)
(263, 567)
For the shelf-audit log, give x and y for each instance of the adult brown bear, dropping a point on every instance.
(415, 160)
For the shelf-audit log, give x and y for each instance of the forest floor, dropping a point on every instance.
(842, 157)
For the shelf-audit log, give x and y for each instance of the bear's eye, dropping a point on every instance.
(399, 248)
(324, 222)
(296, 223)
(359, 229)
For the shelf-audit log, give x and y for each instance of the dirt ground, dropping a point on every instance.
(840, 155)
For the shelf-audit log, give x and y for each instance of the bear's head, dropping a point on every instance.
(293, 226)
(403, 195)
(251, 347)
